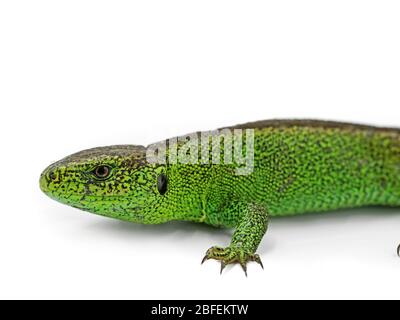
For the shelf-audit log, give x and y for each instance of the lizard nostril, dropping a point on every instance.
(52, 175)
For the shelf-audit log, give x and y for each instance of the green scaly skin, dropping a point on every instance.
(299, 166)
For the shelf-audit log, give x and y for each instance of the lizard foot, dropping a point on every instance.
(231, 255)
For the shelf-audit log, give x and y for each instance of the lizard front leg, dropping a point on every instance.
(246, 238)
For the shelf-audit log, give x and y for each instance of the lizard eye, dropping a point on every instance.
(102, 172)
(162, 183)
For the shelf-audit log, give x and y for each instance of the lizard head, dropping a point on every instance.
(113, 181)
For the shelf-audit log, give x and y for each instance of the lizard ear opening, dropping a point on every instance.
(162, 183)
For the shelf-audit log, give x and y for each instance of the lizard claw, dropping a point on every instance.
(223, 265)
(244, 267)
(258, 260)
(232, 255)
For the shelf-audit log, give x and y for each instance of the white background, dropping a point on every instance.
(79, 74)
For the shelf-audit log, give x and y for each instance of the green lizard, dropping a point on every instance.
(298, 166)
